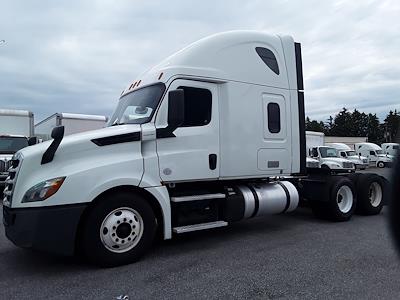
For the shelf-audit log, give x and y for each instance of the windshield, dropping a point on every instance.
(10, 145)
(138, 107)
(351, 153)
(379, 152)
(328, 152)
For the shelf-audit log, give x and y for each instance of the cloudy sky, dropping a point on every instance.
(77, 56)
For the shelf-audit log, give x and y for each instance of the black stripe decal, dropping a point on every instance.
(302, 133)
(302, 117)
(299, 66)
(287, 196)
(117, 139)
(256, 201)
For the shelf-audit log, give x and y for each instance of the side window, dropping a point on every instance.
(268, 57)
(372, 153)
(343, 154)
(274, 118)
(314, 152)
(198, 104)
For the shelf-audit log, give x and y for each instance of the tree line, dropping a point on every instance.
(359, 124)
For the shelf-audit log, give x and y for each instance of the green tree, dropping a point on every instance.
(391, 126)
(342, 124)
(312, 125)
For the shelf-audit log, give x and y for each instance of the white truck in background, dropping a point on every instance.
(375, 154)
(212, 135)
(390, 148)
(73, 123)
(344, 151)
(16, 132)
(326, 155)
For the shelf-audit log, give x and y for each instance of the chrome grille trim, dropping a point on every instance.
(15, 165)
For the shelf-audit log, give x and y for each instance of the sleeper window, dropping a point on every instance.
(198, 104)
(274, 118)
(268, 57)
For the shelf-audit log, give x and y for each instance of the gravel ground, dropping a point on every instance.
(293, 256)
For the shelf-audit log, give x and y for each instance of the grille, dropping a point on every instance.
(13, 169)
(348, 165)
(5, 165)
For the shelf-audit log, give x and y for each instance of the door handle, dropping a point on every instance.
(212, 161)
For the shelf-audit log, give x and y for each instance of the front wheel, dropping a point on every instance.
(118, 230)
(380, 164)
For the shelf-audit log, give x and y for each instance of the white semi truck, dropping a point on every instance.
(16, 132)
(73, 123)
(391, 148)
(344, 151)
(212, 135)
(326, 155)
(375, 154)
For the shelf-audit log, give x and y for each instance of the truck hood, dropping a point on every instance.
(336, 159)
(80, 141)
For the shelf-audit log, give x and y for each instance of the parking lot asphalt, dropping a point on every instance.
(293, 256)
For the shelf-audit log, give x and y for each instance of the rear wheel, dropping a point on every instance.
(371, 190)
(341, 201)
(380, 164)
(118, 230)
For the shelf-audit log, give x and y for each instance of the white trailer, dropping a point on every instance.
(16, 122)
(73, 123)
(16, 127)
(327, 156)
(212, 135)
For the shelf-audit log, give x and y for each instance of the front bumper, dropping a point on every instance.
(48, 229)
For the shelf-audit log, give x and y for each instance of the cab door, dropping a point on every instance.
(192, 152)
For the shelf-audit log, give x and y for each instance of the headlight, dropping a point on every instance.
(43, 190)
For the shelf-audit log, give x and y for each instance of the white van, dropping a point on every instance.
(374, 153)
(390, 148)
(344, 151)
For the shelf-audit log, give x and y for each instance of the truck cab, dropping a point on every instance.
(328, 158)
(212, 135)
(345, 152)
(391, 149)
(375, 154)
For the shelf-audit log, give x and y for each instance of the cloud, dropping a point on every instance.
(77, 56)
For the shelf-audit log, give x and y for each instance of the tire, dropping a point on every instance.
(325, 167)
(380, 164)
(371, 193)
(118, 230)
(341, 202)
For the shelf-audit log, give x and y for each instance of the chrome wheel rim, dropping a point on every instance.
(375, 194)
(344, 199)
(121, 230)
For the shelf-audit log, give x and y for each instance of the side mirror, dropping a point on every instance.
(57, 133)
(32, 141)
(176, 108)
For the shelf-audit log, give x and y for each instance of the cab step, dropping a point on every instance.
(201, 226)
(198, 197)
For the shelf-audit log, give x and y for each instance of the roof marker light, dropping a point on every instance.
(161, 74)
